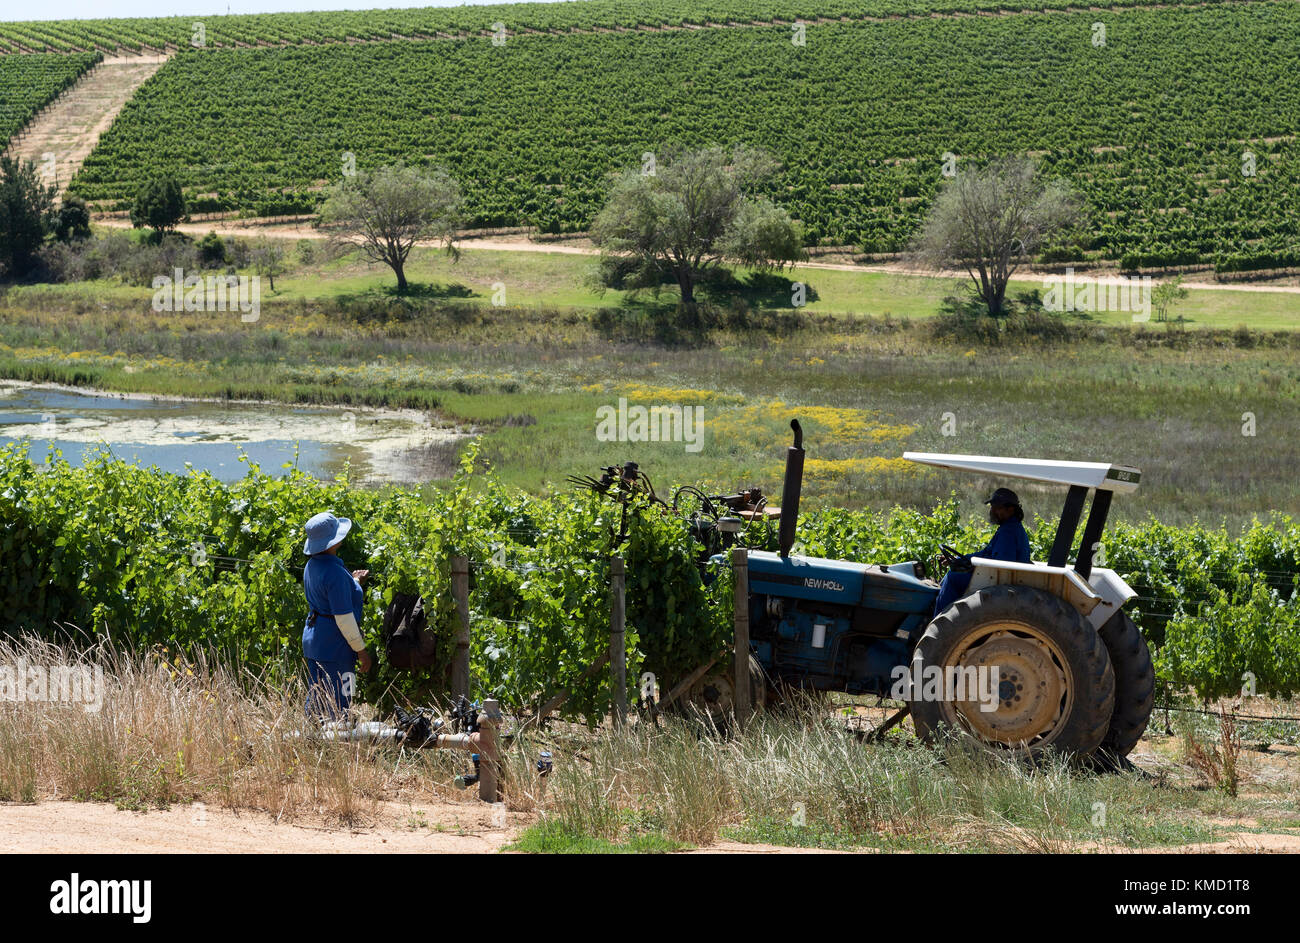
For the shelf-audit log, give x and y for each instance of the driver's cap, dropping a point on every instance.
(1003, 496)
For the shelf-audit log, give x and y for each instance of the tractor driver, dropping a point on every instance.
(1010, 542)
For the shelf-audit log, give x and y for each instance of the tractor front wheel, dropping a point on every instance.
(714, 694)
(1018, 669)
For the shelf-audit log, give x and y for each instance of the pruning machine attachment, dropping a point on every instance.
(717, 521)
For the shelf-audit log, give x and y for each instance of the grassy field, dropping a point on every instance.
(560, 279)
(563, 279)
(532, 376)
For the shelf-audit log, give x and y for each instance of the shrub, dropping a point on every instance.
(212, 251)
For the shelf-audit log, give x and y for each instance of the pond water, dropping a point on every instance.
(400, 446)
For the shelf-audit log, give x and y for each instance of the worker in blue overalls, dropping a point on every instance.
(1010, 542)
(331, 639)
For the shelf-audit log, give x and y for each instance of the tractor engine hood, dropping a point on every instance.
(839, 581)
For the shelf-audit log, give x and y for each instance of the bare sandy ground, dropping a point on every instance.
(438, 827)
(101, 828)
(441, 827)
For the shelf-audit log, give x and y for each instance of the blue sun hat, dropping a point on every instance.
(324, 531)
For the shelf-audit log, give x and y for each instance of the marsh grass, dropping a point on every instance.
(532, 380)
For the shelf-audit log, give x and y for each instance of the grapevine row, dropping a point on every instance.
(188, 562)
(141, 34)
(1157, 127)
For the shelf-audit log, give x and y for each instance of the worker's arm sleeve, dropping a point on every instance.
(340, 597)
(347, 624)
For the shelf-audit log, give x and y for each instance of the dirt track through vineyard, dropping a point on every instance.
(70, 127)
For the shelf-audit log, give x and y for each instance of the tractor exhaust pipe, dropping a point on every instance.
(790, 489)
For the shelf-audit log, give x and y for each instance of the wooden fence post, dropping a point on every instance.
(489, 759)
(460, 659)
(617, 649)
(740, 569)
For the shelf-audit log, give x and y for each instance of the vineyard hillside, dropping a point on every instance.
(1176, 122)
(146, 34)
(69, 127)
(29, 83)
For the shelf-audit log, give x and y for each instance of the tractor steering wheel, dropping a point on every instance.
(953, 559)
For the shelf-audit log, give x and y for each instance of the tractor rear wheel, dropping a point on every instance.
(1055, 686)
(1135, 686)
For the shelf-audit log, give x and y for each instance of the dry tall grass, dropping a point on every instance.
(170, 730)
(798, 777)
(1219, 763)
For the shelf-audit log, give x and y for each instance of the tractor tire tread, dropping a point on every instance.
(1095, 679)
(1135, 686)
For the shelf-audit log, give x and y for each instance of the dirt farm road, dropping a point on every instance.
(247, 229)
(468, 827)
(465, 827)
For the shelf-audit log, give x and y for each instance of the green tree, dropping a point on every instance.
(690, 213)
(1165, 295)
(385, 212)
(212, 250)
(26, 208)
(268, 259)
(989, 221)
(160, 205)
(71, 221)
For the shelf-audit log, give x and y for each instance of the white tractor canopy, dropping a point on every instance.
(1102, 478)
(1119, 478)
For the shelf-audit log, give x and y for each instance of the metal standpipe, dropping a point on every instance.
(484, 743)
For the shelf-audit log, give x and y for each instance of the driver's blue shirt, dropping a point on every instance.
(1010, 543)
(330, 590)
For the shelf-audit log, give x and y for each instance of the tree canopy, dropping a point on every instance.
(385, 212)
(693, 211)
(160, 205)
(989, 221)
(26, 211)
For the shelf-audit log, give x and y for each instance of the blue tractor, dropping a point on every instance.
(1035, 656)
